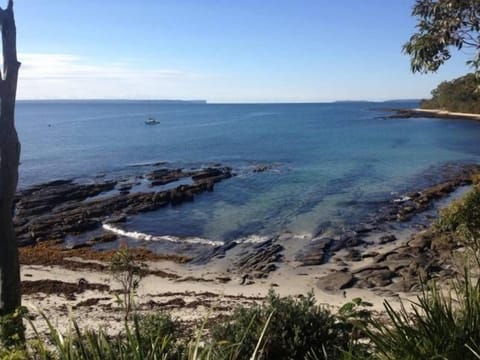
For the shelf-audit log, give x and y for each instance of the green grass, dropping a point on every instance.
(439, 325)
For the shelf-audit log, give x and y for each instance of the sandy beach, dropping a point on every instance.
(190, 293)
(434, 113)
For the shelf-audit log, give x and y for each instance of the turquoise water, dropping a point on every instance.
(329, 161)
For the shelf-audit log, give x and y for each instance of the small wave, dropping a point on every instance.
(148, 163)
(252, 239)
(146, 237)
(402, 199)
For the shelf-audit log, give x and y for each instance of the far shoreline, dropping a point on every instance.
(431, 113)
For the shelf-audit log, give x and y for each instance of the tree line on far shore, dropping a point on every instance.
(458, 95)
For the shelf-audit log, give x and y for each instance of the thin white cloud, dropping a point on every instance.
(65, 66)
(65, 76)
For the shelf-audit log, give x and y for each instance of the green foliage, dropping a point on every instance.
(462, 218)
(441, 25)
(297, 327)
(93, 345)
(438, 326)
(13, 353)
(357, 314)
(12, 329)
(155, 324)
(356, 309)
(128, 272)
(160, 326)
(458, 95)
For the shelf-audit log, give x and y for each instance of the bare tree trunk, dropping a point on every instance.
(10, 297)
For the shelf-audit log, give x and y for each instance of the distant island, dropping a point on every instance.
(159, 101)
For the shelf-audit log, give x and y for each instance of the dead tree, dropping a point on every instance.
(10, 297)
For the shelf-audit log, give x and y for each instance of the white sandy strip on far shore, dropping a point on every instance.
(441, 112)
(201, 291)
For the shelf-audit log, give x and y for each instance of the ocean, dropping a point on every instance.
(325, 162)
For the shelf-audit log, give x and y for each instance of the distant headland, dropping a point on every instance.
(159, 101)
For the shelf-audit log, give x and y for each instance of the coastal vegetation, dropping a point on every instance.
(443, 25)
(438, 325)
(458, 95)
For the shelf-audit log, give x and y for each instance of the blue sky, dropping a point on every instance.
(220, 50)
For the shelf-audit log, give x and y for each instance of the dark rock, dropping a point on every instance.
(262, 167)
(322, 228)
(108, 237)
(370, 254)
(261, 261)
(124, 187)
(349, 239)
(336, 281)
(212, 174)
(387, 238)
(60, 208)
(316, 252)
(373, 277)
(421, 240)
(116, 219)
(74, 246)
(166, 176)
(353, 255)
(364, 228)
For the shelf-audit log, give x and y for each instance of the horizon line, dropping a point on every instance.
(203, 101)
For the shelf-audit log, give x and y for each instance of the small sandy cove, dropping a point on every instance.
(190, 293)
(448, 114)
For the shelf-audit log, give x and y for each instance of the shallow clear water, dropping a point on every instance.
(329, 160)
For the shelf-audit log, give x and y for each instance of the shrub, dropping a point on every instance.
(87, 344)
(160, 326)
(462, 218)
(128, 272)
(438, 326)
(297, 328)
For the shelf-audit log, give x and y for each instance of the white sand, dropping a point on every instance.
(199, 292)
(449, 113)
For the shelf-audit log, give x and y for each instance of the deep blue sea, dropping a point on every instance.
(329, 161)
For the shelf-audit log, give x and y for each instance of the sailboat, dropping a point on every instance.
(152, 121)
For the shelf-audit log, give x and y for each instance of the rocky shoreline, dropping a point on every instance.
(57, 209)
(46, 214)
(382, 257)
(394, 266)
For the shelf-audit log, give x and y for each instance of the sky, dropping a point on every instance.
(220, 50)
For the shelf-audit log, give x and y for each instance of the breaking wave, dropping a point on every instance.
(252, 239)
(174, 239)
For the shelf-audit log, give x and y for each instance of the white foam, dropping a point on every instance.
(252, 239)
(174, 239)
(402, 199)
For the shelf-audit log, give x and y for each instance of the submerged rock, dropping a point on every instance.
(56, 209)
